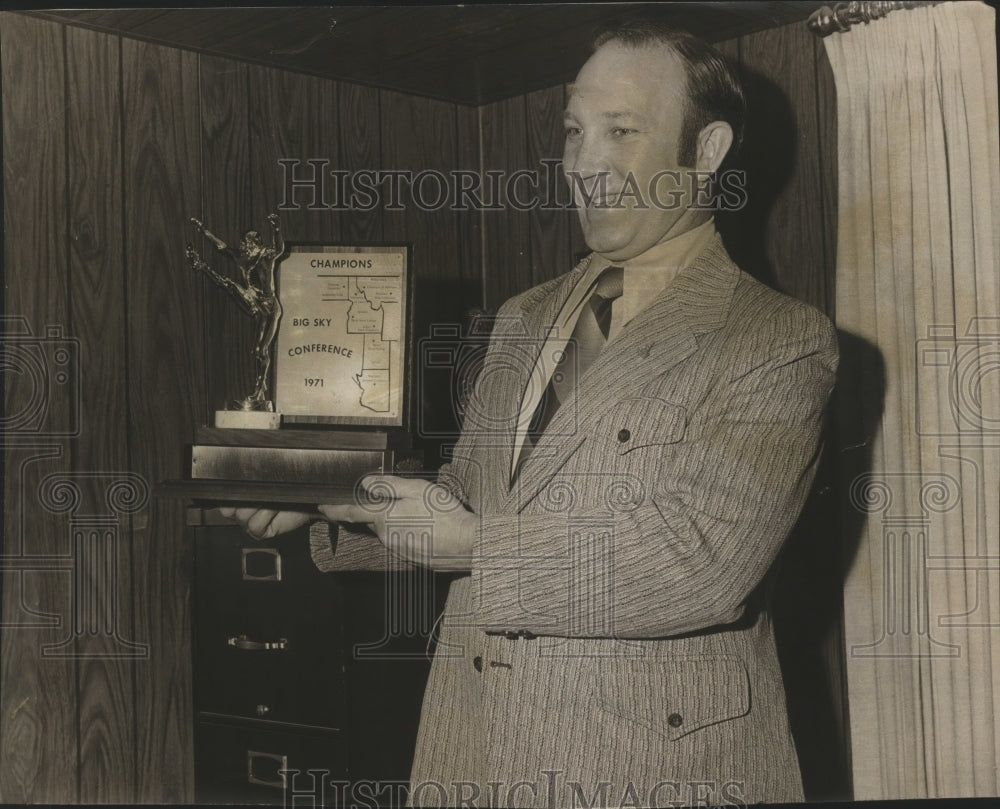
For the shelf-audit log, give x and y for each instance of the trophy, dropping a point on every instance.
(340, 348)
(255, 291)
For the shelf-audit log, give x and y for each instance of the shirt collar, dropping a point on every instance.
(649, 273)
(674, 254)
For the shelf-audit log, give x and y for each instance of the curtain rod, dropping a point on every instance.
(842, 16)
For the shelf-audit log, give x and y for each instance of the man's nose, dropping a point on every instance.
(585, 157)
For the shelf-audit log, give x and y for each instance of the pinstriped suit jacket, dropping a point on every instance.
(630, 557)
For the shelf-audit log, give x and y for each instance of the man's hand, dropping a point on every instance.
(419, 521)
(264, 523)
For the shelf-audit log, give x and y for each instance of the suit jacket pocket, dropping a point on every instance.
(642, 421)
(678, 696)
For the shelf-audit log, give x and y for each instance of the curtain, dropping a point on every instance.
(918, 308)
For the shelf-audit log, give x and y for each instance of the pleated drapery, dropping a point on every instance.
(918, 305)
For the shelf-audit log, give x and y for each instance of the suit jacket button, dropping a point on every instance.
(510, 634)
(477, 663)
(528, 635)
(624, 435)
(675, 720)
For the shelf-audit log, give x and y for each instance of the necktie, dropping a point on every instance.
(586, 343)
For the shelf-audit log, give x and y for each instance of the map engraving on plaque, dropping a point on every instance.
(341, 346)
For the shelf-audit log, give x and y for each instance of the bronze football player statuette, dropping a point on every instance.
(256, 293)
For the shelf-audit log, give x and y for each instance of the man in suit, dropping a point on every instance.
(639, 444)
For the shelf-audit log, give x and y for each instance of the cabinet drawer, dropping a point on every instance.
(268, 630)
(263, 763)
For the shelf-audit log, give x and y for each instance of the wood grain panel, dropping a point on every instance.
(187, 28)
(360, 150)
(96, 293)
(730, 48)
(476, 54)
(118, 19)
(218, 29)
(272, 33)
(166, 392)
(420, 135)
(293, 117)
(727, 221)
(782, 150)
(469, 222)
(226, 209)
(548, 229)
(301, 41)
(38, 698)
(507, 257)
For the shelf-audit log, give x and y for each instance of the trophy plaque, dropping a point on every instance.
(342, 348)
(333, 325)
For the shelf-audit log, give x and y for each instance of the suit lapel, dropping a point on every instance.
(659, 338)
(507, 371)
(538, 326)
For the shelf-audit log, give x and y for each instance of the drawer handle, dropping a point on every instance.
(274, 769)
(243, 642)
(265, 562)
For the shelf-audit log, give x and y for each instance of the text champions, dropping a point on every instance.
(341, 263)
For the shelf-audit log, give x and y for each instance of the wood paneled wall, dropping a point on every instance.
(109, 145)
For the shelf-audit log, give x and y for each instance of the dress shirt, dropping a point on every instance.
(644, 278)
(647, 275)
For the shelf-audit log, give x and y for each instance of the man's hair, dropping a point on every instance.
(714, 92)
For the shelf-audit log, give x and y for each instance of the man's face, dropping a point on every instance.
(623, 126)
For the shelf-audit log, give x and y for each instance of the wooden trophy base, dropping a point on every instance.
(247, 419)
(280, 467)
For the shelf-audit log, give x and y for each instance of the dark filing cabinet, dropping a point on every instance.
(307, 687)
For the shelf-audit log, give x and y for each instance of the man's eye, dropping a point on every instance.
(621, 131)
(573, 131)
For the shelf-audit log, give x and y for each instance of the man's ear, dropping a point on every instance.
(714, 141)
